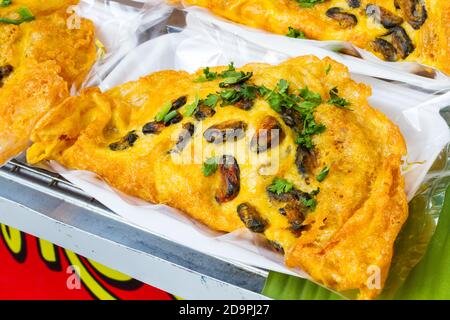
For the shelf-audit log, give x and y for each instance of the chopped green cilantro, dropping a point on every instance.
(295, 33)
(25, 16)
(310, 203)
(5, 3)
(280, 186)
(338, 101)
(207, 76)
(210, 166)
(323, 174)
(211, 100)
(308, 3)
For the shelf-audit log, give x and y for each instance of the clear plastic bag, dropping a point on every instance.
(119, 29)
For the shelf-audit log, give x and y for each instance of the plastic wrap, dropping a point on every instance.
(407, 72)
(415, 112)
(119, 28)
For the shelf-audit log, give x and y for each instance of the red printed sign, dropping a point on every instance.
(32, 268)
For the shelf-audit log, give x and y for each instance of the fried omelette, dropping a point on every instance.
(394, 30)
(293, 152)
(41, 58)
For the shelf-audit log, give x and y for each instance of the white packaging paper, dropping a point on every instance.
(416, 113)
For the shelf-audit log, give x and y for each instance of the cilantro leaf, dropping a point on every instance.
(280, 186)
(236, 78)
(310, 203)
(295, 33)
(283, 86)
(211, 100)
(338, 101)
(328, 69)
(323, 174)
(5, 3)
(310, 96)
(207, 76)
(210, 166)
(308, 3)
(230, 72)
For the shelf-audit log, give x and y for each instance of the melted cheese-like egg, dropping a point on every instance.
(40, 61)
(334, 227)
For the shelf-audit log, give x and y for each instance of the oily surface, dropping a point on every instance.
(46, 58)
(361, 205)
(426, 23)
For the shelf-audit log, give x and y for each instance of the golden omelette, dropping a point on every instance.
(308, 163)
(41, 59)
(395, 30)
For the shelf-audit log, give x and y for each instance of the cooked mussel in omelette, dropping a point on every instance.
(394, 30)
(45, 51)
(291, 152)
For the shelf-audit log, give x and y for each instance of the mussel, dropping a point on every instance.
(126, 142)
(251, 218)
(230, 184)
(414, 11)
(184, 137)
(401, 42)
(354, 3)
(385, 48)
(203, 112)
(383, 16)
(154, 127)
(228, 131)
(345, 19)
(268, 135)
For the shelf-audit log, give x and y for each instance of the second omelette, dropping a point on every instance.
(394, 30)
(42, 57)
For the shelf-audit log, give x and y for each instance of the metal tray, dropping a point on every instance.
(47, 206)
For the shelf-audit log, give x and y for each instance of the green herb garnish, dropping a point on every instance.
(310, 96)
(231, 76)
(232, 96)
(163, 112)
(190, 109)
(308, 3)
(338, 101)
(5, 3)
(328, 69)
(25, 16)
(239, 77)
(280, 97)
(323, 174)
(207, 76)
(280, 186)
(211, 100)
(310, 203)
(210, 166)
(172, 114)
(295, 33)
